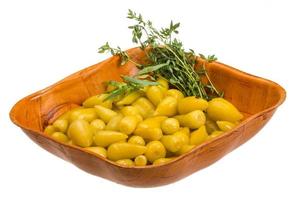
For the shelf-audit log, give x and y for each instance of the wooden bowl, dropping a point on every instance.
(256, 97)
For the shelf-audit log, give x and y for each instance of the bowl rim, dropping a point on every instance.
(198, 147)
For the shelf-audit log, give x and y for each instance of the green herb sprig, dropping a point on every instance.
(129, 85)
(167, 58)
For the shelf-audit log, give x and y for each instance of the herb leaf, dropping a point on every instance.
(149, 69)
(129, 85)
(138, 82)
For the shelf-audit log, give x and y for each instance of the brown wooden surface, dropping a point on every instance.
(256, 97)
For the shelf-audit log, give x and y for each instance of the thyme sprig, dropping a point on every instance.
(167, 58)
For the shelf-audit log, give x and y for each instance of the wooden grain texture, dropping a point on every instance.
(256, 97)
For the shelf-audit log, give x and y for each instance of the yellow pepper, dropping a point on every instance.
(97, 150)
(66, 115)
(154, 94)
(210, 125)
(163, 84)
(104, 113)
(170, 125)
(70, 142)
(135, 139)
(140, 160)
(128, 124)
(214, 134)
(154, 122)
(184, 137)
(193, 120)
(189, 104)
(113, 124)
(185, 130)
(175, 93)
(81, 133)
(161, 161)
(97, 124)
(59, 136)
(198, 136)
(122, 150)
(50, 129)
(129, 110)
(105, 138)
(125, 162)
(144, 106)
(148, 133)
(167, 107)
(129, 99)
(155, 150)
(61, 125)
(172, 142)
(184, 149)
(98, 100)
(225, 125)
(87, 114)
(220, 109)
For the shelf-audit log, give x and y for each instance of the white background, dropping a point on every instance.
(43, 41)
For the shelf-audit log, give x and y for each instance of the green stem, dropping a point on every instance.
(210, 82)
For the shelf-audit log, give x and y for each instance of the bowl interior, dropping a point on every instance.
(257, 98)
(250, 94)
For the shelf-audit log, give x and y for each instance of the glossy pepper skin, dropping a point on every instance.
(214, 134)
(87, 114)
(50, 129)
(140, 160)
(81, 133)
(149, 133)
(122, 150)
(129, 110)
(175, 93)
(61, 125)
(98, 100)
(210, 125)
(170, 125)
(144, 106)
(220, 109)
(97, 150)
(184, 149)
(154, 122)
(193, 120)
(225, 125)
(129, 99)
(189, 104)
(104, 138)
(198, 136)
(163, 83)
(154, 94)
(128, 124)
(167, 107)
(135, 139)
(59, 136)
(97, 124)
(113, 123)
(150, 128)
(104, 113)
(172, 143)
(161, 161)
(125, 162)
(155, 150)
(184, 137)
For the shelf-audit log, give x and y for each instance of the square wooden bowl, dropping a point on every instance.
(255, 97)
